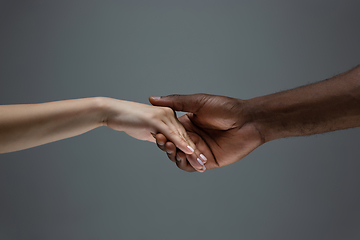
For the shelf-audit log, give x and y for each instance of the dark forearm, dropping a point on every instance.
(325, 106)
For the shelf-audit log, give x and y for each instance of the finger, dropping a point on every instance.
(188, 163)
(200, 155)
(192, 159)
(176, 133)
(184, 103)
(180, 156)
(160, 141)
(175, 126)
(197, 157)
(203, 147)
(172, 135)
(195, 162)
(175, 156)
(182, 162)
(171, 151)
(185, 136)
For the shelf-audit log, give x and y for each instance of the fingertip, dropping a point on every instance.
(201, 156)
(170, 146)
(154, 99)
(180, 157)
(195, 162)
(191, 146)
(190, 150)
(183, 145)
(202, 164)
(160, 139)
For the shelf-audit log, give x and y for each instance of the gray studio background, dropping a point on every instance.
(106, 185)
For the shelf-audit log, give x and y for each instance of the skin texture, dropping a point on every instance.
(228, 129)
(28, 125)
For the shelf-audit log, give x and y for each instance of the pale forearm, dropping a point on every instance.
(329, 105)
(28, 125)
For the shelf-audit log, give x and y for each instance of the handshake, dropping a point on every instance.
(215, 132)
(218, 128)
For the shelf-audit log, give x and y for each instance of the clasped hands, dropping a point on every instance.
(216, 131)
(220, 128)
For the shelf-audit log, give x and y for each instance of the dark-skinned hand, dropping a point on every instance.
(219, 126)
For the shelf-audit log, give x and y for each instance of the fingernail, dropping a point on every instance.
(191, 149)
(203, 157)
(178, 159)
(157, 98)
(203, 166)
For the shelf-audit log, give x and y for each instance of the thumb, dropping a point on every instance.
(184, 103)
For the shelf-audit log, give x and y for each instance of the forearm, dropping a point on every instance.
(325, 106)
(28, 125)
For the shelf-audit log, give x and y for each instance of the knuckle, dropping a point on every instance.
(167, 111)
(171, 132)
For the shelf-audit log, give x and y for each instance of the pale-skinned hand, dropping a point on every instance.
(143, 122)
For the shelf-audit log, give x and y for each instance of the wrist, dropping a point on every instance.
(101, 107)
(262, 117)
